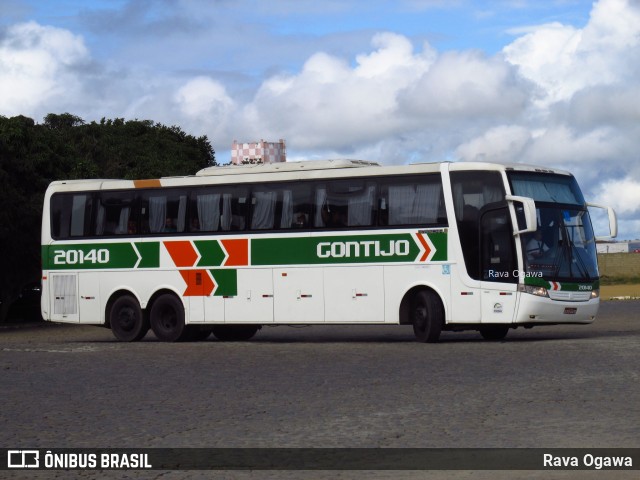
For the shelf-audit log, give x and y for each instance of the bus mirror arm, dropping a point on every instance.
(530, 217)
(613, 222)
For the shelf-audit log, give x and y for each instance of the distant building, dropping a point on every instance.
(618, 247)
(265, 152)
(612, 247)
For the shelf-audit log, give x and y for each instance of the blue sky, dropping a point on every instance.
(552, 83)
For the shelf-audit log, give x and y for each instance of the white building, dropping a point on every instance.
(618, 247)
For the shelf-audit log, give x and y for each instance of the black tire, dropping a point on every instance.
(427, 316)
(127, 321)
(234, 333)
(167, 319)
(494, 333)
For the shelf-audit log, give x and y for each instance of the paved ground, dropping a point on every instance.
(561, 386)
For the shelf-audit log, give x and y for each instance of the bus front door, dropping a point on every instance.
(498, 266)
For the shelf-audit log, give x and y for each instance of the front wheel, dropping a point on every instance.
(127, 321)
(167, 319)
(427, 315)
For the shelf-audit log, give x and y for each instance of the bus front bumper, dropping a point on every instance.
(540, 310)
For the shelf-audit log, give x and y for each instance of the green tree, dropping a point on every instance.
(64, 146)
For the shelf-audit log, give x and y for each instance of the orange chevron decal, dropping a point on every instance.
(425, 245)
(238, 251)
(182, 253)
(199, 283)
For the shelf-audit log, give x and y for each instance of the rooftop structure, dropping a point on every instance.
(258, 152)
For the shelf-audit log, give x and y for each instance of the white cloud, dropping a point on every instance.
(502, 144)
(557, 95)
(333, 104)
(205, 101)
(392, 91)
(563, 146)
(624, 196)
(464, 86)
(563, 60)
(39, 65)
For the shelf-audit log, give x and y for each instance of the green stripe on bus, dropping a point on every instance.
(380, 248)
(416, 247)
(91, 256)
(87, 256)
(564, 286)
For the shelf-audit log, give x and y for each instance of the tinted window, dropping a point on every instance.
(162, 211)
(415, 201)
(115, 213)
(544, 187)
(345, 203)
(219, 209)
(473, 191)
(282, 206)
(71, 215)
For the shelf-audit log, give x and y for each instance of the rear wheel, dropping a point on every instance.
(234, 333)
(167, 319)
(128, 324)
(494, 333)
(427, 315)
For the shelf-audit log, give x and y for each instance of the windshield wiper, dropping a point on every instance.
(570, 245)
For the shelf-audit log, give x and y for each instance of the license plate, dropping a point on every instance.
(570, 311)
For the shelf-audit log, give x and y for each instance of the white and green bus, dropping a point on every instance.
(440, 246)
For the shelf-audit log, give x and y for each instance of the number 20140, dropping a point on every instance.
(75, 257)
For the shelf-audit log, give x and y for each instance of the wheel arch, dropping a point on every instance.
(162, 291)
(405, 304)
(115, 295)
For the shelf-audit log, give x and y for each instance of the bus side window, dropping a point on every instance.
(206, 211)
(294, 206)
(218, 209)
(114, 212)
(163, 211)
(383, 211)
(414, 202)
(235, 203)
(345, 203)
(71, 215)
(263, 206)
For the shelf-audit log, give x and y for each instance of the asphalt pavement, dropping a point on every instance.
(70, 386)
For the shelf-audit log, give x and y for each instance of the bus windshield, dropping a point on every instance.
(563, 247)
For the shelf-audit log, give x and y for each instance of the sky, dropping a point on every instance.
(552, 83)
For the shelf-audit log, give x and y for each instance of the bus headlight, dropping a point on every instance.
(595, 293)
(533, 290)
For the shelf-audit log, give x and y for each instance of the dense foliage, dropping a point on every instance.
(65, 147)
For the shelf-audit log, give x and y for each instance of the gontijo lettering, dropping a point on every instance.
(365, 248)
